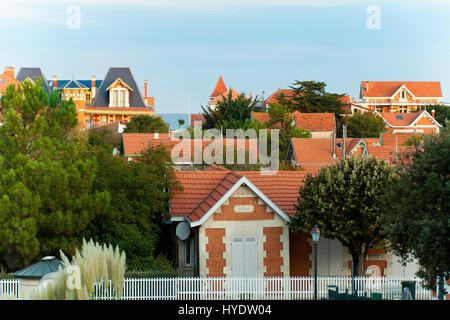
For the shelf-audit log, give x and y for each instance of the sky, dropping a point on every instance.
(183, 46)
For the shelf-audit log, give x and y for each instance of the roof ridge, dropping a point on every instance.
(231, 173)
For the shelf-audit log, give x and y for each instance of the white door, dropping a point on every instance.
(244, 257)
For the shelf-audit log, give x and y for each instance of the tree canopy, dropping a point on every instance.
(365, 125)
(146, 124)
(417, 211)
(139, 191)
(46, 195)
(311, 97)
(229, 113)
(344, 201)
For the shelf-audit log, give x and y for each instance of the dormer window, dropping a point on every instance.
(119, 94)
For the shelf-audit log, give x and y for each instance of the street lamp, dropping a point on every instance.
(315, 233)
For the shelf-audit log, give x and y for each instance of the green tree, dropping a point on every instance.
(46, 196)
(344, 201)
(229, 113)
(417, 217)
(365, 125)
(311, 97)
(180, 122)
(146, 124)
(134, 220)
(280, 118)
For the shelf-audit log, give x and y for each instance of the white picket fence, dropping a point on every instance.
(293, 288)
(9, 288)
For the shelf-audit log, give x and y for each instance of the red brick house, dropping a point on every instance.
(237, 226)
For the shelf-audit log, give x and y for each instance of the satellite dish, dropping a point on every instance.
(183, 230)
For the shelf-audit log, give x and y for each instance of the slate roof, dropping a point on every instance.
(32, 73)
(102, 96)
(85, 83)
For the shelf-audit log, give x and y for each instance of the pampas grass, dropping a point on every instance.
(98, 264)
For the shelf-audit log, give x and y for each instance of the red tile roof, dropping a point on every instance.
(234, 95)
(220, 88)
(135, 143)
(202, 189)
(389, 138)
(308, 121)
(197, 117)
(315, 121)
(309, 151)
(398, 119)
(260, 116)
(274, 97)
(426, 89)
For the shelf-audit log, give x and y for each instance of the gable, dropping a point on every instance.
(243, 204)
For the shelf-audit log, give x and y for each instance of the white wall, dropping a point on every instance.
(329, 258)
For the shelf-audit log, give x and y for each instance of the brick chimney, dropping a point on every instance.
(55, 82)
(10, 71)
(93, 88)
(433, 113)
(145, 89)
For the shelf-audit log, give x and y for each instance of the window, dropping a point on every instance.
(115, 99)
(403, 94)
(118, 97)
(189, 252)
(122, 98)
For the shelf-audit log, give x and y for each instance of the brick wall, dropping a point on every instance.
(299, 254)
(215, 248)
(273, 246)
(228, 212)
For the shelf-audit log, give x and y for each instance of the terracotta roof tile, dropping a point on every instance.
(197, 117)
(426, 89)
(313, 122)
(398, 119)
(274, 97)
(200, 187)
(219, 89)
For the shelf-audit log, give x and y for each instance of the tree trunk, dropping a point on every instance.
(358, 263)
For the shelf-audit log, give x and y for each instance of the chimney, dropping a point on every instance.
(93, 88)
(250, 95)
(55, 82)
(334, 145)
(433, 113)
(145, 90)
(10, 71)
(367, 85)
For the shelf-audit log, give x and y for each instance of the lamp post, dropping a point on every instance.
(315, 233)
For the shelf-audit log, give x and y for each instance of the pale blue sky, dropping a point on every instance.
(183, 46)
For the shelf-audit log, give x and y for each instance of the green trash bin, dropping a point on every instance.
(411, 286)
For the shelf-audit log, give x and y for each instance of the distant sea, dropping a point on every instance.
(172, 119)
